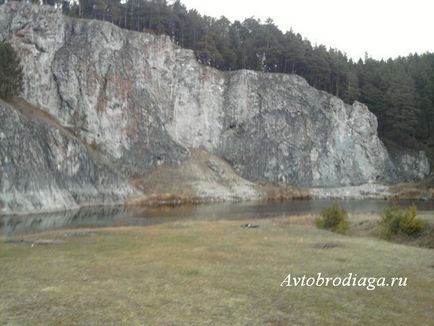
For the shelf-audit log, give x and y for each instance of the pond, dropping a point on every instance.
(15, 225)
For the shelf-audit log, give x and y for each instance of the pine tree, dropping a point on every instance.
(402, 112)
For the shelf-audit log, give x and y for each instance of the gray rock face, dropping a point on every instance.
(44, 168)
(297, 134)
(144, 101)
(411, 166)
(365, 191)
(94, 78)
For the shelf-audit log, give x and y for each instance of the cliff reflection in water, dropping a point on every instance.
(15, 225)
(96, 217)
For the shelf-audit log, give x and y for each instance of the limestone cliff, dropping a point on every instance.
(143, 101)
(43, 167)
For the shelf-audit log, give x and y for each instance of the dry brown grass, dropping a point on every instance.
(167, 199)
(195, 273)
(274, 192)
(418, 190)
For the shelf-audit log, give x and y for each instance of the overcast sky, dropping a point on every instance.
(383, 28)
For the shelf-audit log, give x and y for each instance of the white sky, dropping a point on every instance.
(383, 28)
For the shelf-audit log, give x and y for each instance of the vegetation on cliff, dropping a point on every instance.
(11, 75)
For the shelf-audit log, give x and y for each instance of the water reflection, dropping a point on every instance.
(119, 216)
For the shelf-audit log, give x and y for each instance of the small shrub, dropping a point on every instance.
(333, 218)
(94, 145)
(395, 220)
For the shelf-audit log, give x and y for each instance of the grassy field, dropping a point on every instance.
(211, 272)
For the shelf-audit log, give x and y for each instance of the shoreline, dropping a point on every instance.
(410, 191)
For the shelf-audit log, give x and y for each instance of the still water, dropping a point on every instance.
(119, 216)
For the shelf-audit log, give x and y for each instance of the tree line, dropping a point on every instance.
(400, 92)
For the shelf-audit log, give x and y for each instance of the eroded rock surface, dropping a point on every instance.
(143, 102)
(44, 168)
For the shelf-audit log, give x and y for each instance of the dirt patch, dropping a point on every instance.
(205, 178)
(275, 192)
(327, 245)
(306, 220)
(35, 113)
(79, 234)
(38, 242)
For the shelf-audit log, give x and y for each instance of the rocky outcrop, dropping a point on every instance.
(93, 77)
(300, 135)
(205, 178)
(46, 168)
(410, 165)
(144, 102)
(201, 178)
(365, 191)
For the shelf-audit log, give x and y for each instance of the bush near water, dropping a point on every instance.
(333, 218)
